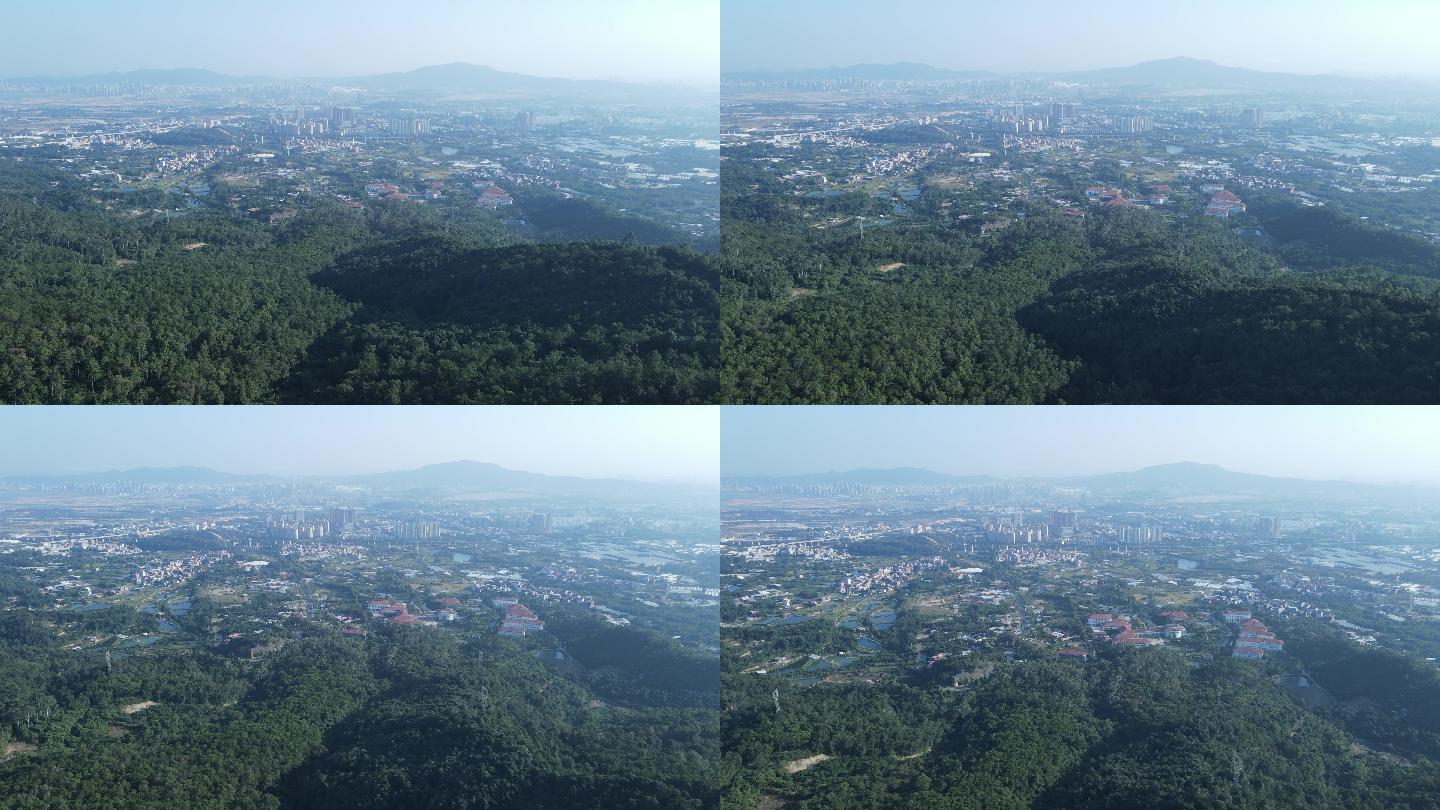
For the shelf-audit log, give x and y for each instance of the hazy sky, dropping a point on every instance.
(649, 443)
(635, 40)
(1382, 444)
(1359, 37)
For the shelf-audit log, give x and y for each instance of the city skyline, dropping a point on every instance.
(1379, 444)
(631, 40)
(643, 443)
(1339, 37)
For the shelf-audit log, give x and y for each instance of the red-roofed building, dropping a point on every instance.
(492, 196)
(381, 607)
(1107, 196)
(1129, 638)
(1222, 204)
(520, 621)
(1255, 639)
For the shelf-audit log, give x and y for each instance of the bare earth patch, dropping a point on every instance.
(978, 673)
(798, 765)
(125, 262)
(139, 707)
(195, 246)
(800, 292)
(14, 748)
(886, 268)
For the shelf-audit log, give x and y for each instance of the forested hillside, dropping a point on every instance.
(1123, 306)
(325, 303)
(440, 321)
(1325, 237)
(1133, 729)
(408, 718)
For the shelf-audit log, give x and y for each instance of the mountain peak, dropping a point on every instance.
(1184, 465)
(1180, 60)
(456, 67)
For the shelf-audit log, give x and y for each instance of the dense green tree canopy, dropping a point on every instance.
(411, 717)
(1125, 306)
(321, 303)
(1131, 730)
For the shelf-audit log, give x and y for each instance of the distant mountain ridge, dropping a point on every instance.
(891, 476)
(455, 76)
(898, 71)
(472, 475)
(465, 76)
(183, 76)
(1181, 477)
(1180, 71)
(455, 475)
(150, 475)
(1195, 477)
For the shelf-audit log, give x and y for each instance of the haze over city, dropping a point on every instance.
(641, 443)
(1343, 37)
(631, 40)
(1366, 444)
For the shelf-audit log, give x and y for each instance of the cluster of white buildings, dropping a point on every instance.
(888, 577)
(318, 551)
(1030, 556)
(193, 161)
(902, 161)
(104, 547)
(176, 570)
